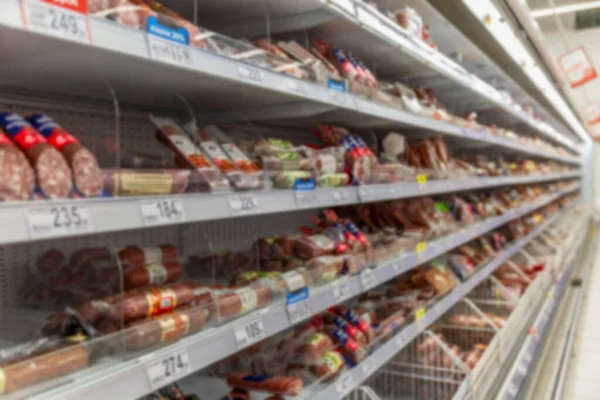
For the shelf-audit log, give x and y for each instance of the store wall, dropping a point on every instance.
(559, 43)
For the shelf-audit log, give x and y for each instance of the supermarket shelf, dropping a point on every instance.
(530, 348)
(116, 214)
(211, 81)
(376, 39)
(351, 379)
(130, 379)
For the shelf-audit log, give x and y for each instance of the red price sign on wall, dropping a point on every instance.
(577, 67)
(66, 19)
(591, 116)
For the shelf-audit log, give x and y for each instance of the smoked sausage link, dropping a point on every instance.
(16, 176)
(52, 172)
(139, 256)
(152, 274)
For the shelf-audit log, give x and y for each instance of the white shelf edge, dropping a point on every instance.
(125, 41)
(387, 351)
(116, 214)
(129, 377)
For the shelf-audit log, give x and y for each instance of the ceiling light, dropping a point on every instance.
(548, 12)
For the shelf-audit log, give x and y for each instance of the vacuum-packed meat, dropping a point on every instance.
(16, 176)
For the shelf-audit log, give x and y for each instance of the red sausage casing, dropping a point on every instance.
(138, 256)
(152, 274)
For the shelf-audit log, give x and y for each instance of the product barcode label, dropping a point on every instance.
(158, 212)
(243, 204)
(249, 334)
(168, 369)
(67, 20)
(340, 196)
(299, 86)
(169, 52)
(344, 384)
(305, 198)
(368, 367)
(57, 220)
(250, 73)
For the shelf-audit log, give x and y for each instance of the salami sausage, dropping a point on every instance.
(53, 174)
(314, 347)
(27, 372)
(49, 262)
(139, 256)
(82, 258)
(16, 176)
(146, 333)
(152, 274)
(281, 385)
(82, 161)
(234, 302)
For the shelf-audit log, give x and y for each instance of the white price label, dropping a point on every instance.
(522, 370)
(345, 384)
(168, 369)
(365, 193)
(305, 198)
(251, 73)
(57, 21)
(249, 334)
(165, 211)
(341, 291)
(367, 278)
(57, 220)
(298, 86)
(298, 311)
(368, 367)
(243, 204)
(340, 195)
(338, 97)
(401, 340)
(512, 390)
(170, 52)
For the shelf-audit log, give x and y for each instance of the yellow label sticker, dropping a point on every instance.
(421, 179)
(420, 313)
(550, 294)
(421, 247)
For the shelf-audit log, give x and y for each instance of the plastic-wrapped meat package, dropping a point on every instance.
(187, 155)
(280, 61)
(461, 265)
(322, 68)
(307, 247)
(135, 182)
(410, 20)
(17, 176)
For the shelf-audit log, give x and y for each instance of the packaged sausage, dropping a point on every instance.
(266, 383)
(187, 154)
(152, 274)
(233, 302)
(313, 348)
(351, 349)
(287, 179)
(307, 247)
(53, 175)
(354, 319)
(139, 256)
(164, 328)
(134, 182)
(329, 366)
(17, 179)
(325, 269)
(352, 331)
(237, 394)
(48, 262)
(84, 166)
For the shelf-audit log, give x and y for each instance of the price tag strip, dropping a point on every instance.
(305, 192)
(367, 278)
(421, 247)
(57, 220)
(66, 19)
(365, 193)
(168, 369)
(297, 305)
(249, 334)
(165, 211)
(344, 384)
(168, 44)
(250, 73)
(341, 291)
(243, 204)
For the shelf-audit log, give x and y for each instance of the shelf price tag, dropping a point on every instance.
(243, 204)
(422, 179)
(168, 44)
(345, 384)
(341, 291)
(420, 249)
(66, 19)
(367, 278)
(166, 211)
(249, 334)
(368, 367)
(170, 368)
(57, 220)
(306, 195)
(340, 195)
(250, 72)
(298, 86)
(297, 306)
(365, 193)
(419, 314)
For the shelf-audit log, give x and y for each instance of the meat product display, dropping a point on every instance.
(267, 383)
(84, 167)
(139, 256)
(314, 347)
(131, 182)
(17, 179)
(234, 302)
(330, 365)
(152, 274)
(53, 175)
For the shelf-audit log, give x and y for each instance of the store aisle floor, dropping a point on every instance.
(583, 379)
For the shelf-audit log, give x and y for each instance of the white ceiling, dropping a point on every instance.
(549, 24)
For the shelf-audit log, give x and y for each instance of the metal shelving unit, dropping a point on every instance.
(113, 67)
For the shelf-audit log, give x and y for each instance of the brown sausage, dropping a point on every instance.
(152, 274)
(31, 371)
(17, 180)
(280, 385)
(314, 347)
(138, 256)
(49, 261)
(330, 365)
(242, 300)
(83, 257)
